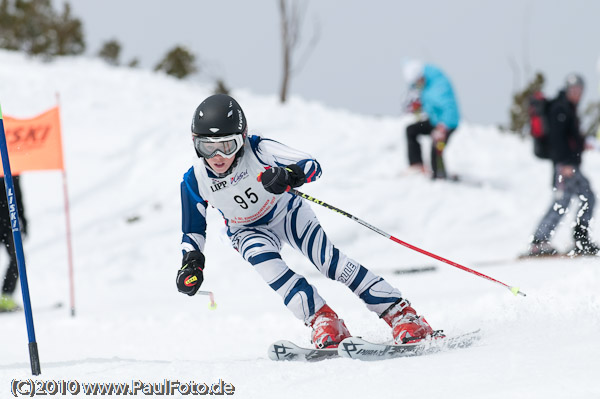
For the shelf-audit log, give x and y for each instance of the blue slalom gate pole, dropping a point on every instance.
(34, 357)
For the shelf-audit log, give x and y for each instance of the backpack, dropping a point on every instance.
(539, 106)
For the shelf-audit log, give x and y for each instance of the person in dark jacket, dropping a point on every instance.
(7, 303)
(566, 146)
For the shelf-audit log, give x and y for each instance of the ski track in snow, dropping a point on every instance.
(127, 145)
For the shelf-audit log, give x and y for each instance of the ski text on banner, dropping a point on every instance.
(35, 144)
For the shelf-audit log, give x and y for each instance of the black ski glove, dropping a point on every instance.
(278, 180)
(190, 276)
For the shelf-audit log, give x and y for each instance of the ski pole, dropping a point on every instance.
(13, 212)
(514, 290)
(212, 305)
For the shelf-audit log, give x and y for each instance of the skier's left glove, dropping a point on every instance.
(278, 180)
(191, 276)
(23, 223)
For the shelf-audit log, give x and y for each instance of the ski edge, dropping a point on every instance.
(361, 349)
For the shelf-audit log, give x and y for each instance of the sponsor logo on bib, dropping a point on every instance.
(238, 177)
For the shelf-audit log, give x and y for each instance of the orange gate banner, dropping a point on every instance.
(34, 144)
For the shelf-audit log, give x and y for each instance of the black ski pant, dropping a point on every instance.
(12, 273)
(414, 147)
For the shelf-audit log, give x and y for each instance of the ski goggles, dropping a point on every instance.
(225, 146)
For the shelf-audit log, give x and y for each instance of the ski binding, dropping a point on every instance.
(287, 350)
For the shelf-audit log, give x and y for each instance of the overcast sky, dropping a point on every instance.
(487, 48)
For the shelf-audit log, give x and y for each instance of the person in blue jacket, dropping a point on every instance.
(434, 97)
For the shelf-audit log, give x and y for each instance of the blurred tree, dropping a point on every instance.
(8, 38)
(291, 17)
(178, 62)
(33, 20)
(519, 110)
(221, 88)
(32, 26)
(134, 63)
(592, 116)
(69, 34)
(110, 52)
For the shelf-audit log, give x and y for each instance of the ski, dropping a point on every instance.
(494, 262)
(42, 308)
(287, 350)
(51, 306)
(469, 181)
(416, 269)
(452, 178)
(564, 255)
(358, 348)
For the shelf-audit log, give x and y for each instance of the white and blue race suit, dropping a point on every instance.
(259, 223)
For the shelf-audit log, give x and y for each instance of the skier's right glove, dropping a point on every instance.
(190, 276)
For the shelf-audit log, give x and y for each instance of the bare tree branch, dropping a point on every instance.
(292, 13)
(309, 48)
(285, 34)
(526, 40)
(514, 66)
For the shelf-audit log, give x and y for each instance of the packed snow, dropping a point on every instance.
(126, 136)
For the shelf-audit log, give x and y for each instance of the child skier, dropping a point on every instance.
(246, 178)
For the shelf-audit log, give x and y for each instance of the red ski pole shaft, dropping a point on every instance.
(514, 290)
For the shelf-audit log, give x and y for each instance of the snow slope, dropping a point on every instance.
(127, 145)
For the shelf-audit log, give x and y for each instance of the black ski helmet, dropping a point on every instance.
(218, 115)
